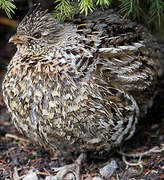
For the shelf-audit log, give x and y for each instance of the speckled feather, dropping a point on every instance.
(82, 84)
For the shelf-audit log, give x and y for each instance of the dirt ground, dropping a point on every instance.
(17, 154)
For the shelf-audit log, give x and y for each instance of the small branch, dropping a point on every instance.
(146, 153)
(16, 137)
(140, 155)
(139, 163)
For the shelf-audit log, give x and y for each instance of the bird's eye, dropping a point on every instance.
(37, 35)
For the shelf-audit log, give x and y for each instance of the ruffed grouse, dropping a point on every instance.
(82, 84)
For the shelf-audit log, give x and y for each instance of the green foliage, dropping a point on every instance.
(85, 5)
(156, 10)
(65, 8)
(150, 11)
(8, 6)
(68, 8)
(146, 11)
(130, 7)
(103, 3)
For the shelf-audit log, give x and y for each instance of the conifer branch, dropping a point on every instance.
(149, 12)
(8, 6)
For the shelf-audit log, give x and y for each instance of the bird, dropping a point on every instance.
(83, 84)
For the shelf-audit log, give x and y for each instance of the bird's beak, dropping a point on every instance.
(15, 39)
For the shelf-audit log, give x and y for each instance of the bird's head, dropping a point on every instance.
(38, 32)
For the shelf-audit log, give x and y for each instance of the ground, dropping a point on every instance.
(19, 155)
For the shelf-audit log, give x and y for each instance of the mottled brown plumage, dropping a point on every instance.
(82, 84)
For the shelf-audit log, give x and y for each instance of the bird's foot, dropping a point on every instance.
(73, 168)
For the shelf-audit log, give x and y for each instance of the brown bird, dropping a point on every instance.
(82, 84)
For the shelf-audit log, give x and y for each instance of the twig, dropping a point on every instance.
(16, 137)
(146, 153)
(140, 155)
(139, 163)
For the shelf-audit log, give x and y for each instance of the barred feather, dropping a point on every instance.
(83, 83)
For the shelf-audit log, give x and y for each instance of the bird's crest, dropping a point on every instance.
(34, 17)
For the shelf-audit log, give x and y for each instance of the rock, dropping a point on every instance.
(31, 175)
(94, 178)
(108, 170)
(97, 178)
(50, 178)
(69, 176)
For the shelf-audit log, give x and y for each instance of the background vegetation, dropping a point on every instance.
(148, 12)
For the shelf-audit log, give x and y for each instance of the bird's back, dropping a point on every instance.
(126, 54)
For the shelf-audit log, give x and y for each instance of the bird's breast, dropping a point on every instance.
(39, 93)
